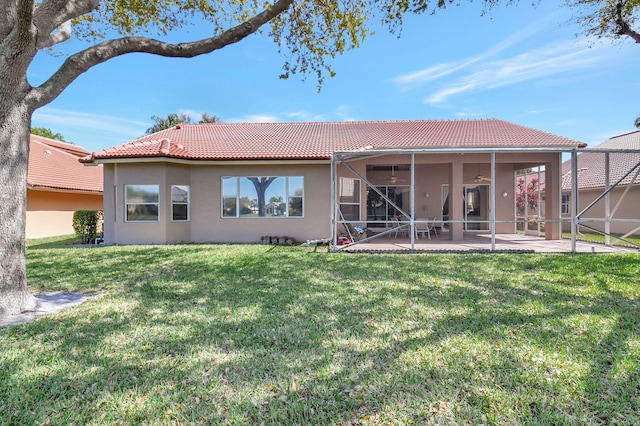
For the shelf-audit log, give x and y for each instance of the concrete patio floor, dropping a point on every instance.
(481, 241)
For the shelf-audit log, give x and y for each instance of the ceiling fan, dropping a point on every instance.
(393, 178)
(480, 178)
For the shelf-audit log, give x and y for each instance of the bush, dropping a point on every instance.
(86, 224)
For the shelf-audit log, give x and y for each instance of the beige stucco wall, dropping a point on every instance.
(629, 208)
(50, 213)
(206, 222)
(117, 230)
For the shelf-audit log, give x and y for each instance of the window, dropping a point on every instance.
(180, 203)
(258, 197)
(349, 194)
(380, 209)
(141, 203)
(566, 204)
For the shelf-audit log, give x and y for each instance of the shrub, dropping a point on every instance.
(86, 224)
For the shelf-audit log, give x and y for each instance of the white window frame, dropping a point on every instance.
(565, 204)
(345, 183)
(128, 203)
(176, 203)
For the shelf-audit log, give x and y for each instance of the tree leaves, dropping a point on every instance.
(174, 119)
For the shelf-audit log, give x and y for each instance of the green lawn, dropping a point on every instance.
(253, 334)
(592, 237)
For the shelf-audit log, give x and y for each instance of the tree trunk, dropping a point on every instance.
(15, 124)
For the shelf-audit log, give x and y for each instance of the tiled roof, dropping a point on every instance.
(591, 165)
(319, 140)
(70, 148)
(55, 168)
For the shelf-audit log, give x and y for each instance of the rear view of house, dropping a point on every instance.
(239, 182)
(58, 185)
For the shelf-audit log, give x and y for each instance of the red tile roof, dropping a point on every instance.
(591, 165)
(51, 166)
(76, 150)
(319, 140)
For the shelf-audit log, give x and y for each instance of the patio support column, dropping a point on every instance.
(412, 192)
(553, 198)
(492, 198)
(607, 201)
(574, 199)
(334, 226)
(456, 204)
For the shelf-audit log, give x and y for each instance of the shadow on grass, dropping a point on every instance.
(212, 334)
(64, 241)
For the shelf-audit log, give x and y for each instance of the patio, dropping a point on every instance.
(480, 241)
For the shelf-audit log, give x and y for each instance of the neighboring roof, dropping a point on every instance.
(70, 148)
(591, 165)
(320, 140)
(55, 168)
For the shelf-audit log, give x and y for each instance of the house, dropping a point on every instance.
(604, 205)
(370, 173)
(58, 185)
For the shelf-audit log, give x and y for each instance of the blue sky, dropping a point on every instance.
(521, 64)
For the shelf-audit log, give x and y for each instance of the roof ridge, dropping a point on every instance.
(57, 149)
(268, 123)
(67, 146)
(624, 134)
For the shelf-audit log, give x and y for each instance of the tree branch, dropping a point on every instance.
(62, 34)
(54, 14)
(102, 52)
(623, 27)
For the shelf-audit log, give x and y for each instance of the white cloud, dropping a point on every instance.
(496, 67)
(536, 64)
(305, 116)
(59, 119)
(340, 114)
(255, 118)
(434, 72)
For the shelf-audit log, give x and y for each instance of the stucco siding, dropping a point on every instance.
(49, 223)
(117, 229)
(50, 213)
(206, 223)
(629, 208)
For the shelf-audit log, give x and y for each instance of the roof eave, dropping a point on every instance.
(60, 189)
(209, 161)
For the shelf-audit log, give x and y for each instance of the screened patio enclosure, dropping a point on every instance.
(398, 192)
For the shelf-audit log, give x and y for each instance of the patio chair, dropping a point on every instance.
(400, 230)
(428, 228)
(356, 231)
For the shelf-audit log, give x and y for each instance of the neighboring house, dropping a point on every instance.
(57, 185)
(370, 173)
(615, 213)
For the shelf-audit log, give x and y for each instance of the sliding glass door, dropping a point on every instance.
(380, 210)
(475, 199)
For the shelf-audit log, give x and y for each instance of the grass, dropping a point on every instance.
(253, 334)
(592, 237)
